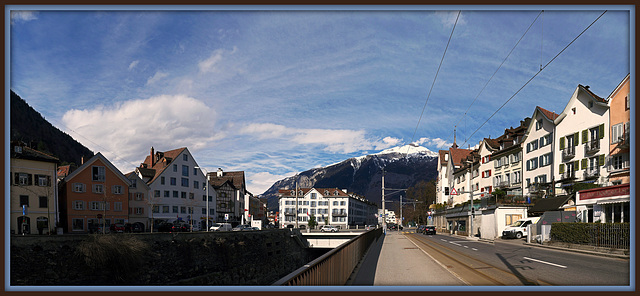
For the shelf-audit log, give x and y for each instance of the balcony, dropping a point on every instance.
(592, 172)
(536, 187)
(289, 213)
(339, 214)
(502, 184)
(568, 175)
(592, 146)
(569, 152)
(625, 140)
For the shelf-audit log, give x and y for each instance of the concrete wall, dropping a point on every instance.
(222, 258)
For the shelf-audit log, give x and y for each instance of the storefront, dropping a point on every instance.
(606, 204)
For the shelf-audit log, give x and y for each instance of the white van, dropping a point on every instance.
(519, 228)
(220, 227)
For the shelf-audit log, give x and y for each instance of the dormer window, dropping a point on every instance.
(326, 192)
(335, 192)
(293, 192)
(300, 192)
(538, 124)
(590, 104)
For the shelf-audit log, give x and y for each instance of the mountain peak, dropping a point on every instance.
(409, 149)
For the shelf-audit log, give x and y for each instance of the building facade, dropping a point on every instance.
(507, 160)
(33, 192)
(94, 195)
(140, 204)
(618, 161)
(538, 151)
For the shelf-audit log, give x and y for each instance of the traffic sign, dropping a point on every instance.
(453, 192)
(226, 217)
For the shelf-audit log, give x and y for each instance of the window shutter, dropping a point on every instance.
(48, 180)
(576, 139)
(16, 178)
(584, 163)
(585, 134)
(601, 159)
(528, 147)
(601, 131)
(528, 167)
(576, 165)
(561, 170)
(562, 143)
(541, 160)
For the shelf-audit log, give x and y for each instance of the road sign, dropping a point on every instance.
(453, 192)
(226, 217)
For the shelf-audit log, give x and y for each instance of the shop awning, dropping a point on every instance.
(612, 201)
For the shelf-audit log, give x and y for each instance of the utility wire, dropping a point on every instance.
(494, 73)
(434, 82)
(534, 76)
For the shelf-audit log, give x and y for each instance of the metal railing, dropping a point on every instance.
(592, 146)
(568, 152)
(600, 235)
(335, 267)
(593, 172)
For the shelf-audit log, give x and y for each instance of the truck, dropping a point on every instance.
(519, 228)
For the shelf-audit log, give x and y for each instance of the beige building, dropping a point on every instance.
(34, 198)
(618, 162)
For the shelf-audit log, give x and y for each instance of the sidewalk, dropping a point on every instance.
(393, 260)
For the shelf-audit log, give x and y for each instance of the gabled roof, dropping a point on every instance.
(217, 183)
(287, 192)
(236, 179)
(457, 155)
(161, 162)
(492, 143)
(63, 171)
(442, 156)
(617, 89)
(90, 162)
(595, 97)
(25, 152)
(551, 116)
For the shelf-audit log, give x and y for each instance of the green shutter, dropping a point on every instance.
(562, 168)
(576, 138)
(585, 135)
(601, 134)
(562, 143)
(584, 163)
(601, 159)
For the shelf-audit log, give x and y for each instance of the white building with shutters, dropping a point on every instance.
(538, 169)
(582, 133)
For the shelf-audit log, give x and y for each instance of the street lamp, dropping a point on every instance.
(206, 188)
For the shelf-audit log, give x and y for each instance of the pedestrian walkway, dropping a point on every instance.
(394, 260)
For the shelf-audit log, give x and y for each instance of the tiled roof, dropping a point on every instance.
(236, 179)
(63, 171)
(551, 115)
(493, 143)
(163, 160)
(457, 155)
(550, 204)
(596, 97)
(442, 156)
(30, 153)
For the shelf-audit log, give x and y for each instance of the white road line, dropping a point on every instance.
(444, 240)
(553, 264)
(455, 244)
(474, 249)
(466, 247)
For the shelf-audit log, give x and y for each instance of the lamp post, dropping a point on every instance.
(206, 188)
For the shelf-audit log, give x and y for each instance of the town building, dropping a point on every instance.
(508, 161)
(33, 194)
(233, 196)
(581, 151)
(94, 195)
(455, 156)
(140, 202)
(538, 147)
(329, 206)
(618, 161)
(177, 188)
(389, 215)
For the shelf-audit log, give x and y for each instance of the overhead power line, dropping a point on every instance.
(434, 82)
(534, 76)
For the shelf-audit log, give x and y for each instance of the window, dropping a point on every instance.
(183, 194)
(173, 181)
(486, 174)
(167, 193)
(97, 188)
(626, 103)
(78, 205)
(185, 182)
(538, 124)
(156, 209)
(545, 160)
(156, 193)
(619, 162)
(546, 140)
(204, 211)
(133, 183)
(342, 203)
(165, 209)
(183, 210)
(78, 187)
(190, 210)
(185, 157)
(313, 204)
(532, 146)
(77, 224)
(98, 205)
(175, 209)
(195, 171)
(162, 180)
(117, 206)
(313, 195)
(196, 184)
(335, 203)
(175, 167)
(617, 133)
(138, 211)
(139, 196)
(175, 194)
(97, 173)
(191, 195)
(512, 218)
(24, 200)
(116, 189)
(185, 170)
(43, 180)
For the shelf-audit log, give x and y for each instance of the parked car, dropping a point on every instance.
(329, 228)
(134, 227)
(430, 229)
(242, 227)
(369, 227)
(519, 228)
(163, 227)
(180, 227)
(220, 227)
(116, 228)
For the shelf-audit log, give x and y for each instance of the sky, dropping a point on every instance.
(277, 92)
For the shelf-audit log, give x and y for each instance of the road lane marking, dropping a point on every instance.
(474, 249)
(453, 243)
(552, 264)
(466, 247)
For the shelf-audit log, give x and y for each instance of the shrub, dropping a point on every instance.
(118, 255)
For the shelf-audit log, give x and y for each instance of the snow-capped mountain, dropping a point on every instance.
(404, 167)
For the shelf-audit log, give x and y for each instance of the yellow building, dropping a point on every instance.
(34, 198)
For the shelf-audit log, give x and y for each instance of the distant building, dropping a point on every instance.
(140, 204)
(233, 196)
(508, 160)
(33, 194)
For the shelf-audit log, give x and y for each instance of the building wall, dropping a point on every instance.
(140, 207)
(336, 210)
(619, 114)
(506, 175)
(443, 180)
(34, 210)
(486, 171)
(83, 215)
(535, 169)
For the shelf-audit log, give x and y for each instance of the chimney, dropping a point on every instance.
(81, 160)
(152, 157)
(219, 172)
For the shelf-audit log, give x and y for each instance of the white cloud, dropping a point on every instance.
(448, 18)
(23, 15)
(261, 182)
(133, 64)
(131, 128)
(437, 142)
(159, 75)
(211, 63)
(336, 141)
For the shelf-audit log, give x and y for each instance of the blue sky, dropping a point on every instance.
(276, 92)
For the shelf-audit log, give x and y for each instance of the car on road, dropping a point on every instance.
(134, 227)
(220, 227)
(518, 229)
(117, 228)
(180, 227)
(369, 227)
(430, 229)
(329, 228)
(242, 227)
